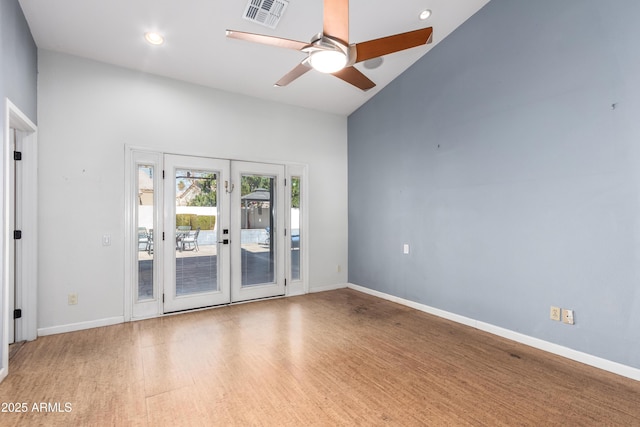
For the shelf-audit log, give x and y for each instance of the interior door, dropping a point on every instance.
(257, 231)
(196, 232)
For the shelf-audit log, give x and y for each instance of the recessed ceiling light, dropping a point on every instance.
(425, 14)
(153, 38)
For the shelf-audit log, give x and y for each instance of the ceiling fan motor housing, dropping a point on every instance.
(321, 42)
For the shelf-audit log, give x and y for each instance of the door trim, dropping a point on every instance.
(301, 286)
(27, 132)
(130, 266)
(174, 303)
(132, 308)
(238, 292)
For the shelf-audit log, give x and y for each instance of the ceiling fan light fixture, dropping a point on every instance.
(153, 38)
(328, 61)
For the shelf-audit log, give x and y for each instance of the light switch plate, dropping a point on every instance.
(567, 316)
(72, 299)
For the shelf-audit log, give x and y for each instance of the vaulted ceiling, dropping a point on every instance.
(196, 49)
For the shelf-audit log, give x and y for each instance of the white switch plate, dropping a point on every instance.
(405, 248)
(106, 240)
(567, 316)
(72, 299)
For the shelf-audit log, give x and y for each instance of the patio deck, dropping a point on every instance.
(196, 271)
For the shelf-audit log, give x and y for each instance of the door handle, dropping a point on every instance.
(224, 241)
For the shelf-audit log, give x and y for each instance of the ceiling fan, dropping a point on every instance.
(330, 51)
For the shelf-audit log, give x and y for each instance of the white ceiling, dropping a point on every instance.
(197, 51)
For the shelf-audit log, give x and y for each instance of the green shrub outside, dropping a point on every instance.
(184, 219)
(205, 222)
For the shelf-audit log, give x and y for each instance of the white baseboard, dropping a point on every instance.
(327, 288)
(295, 288)
(578, 356)
(71, 327)
(295, 292)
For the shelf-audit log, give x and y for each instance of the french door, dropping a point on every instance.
(196, 272)
(257, 231)
(223, 233)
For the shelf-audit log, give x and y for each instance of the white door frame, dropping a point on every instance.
(222, 295)
(134, 309)
(277, 287)
(27, 292)
(300, 286)
(155, 308)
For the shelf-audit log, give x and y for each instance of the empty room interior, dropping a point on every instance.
(320, 212)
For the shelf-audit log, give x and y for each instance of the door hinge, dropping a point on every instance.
(163, 298)
(17, 234)
(163, 174)
(17, 155)
(285, 232)
(285, 182)
(163, 239)
(285, 283)
(17, 313)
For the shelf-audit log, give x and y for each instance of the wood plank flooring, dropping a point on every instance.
(332, 358)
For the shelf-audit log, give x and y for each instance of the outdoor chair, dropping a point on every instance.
(190, 241)
(182, 231)
(143, 238)
(150, 242)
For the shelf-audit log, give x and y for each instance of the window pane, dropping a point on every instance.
(145, 215)
(196, 235)
(258, 241)
(295, 228)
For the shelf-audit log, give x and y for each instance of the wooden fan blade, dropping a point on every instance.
(272, 41)
(353, 76)
(299, 70)
(391, 44)
(336, 19)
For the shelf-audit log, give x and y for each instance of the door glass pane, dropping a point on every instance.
(145, 215)
(257, 229)
(295, 228)
(196, 232)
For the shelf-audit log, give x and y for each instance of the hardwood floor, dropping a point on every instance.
(332, 358)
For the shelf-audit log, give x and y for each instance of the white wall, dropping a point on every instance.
(18, 69)
(89, 111)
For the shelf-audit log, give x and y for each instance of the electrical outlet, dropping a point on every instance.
(72, 299)
(555, 313)
(567, 316)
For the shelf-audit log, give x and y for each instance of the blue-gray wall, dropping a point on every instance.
(499, 158)
(18, 74)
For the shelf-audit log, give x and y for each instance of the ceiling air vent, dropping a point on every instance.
(265, 12)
